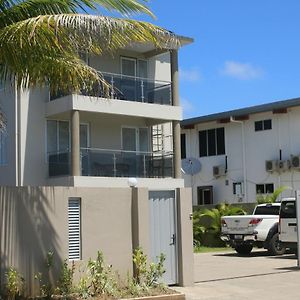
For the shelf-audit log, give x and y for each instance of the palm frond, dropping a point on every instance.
(24, 43)
(126, 7)
(21, 11)
(15, 11)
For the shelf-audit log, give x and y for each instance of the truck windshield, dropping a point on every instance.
(288, 210)
(267, 210)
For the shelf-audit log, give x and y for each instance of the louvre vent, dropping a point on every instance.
(74, 228)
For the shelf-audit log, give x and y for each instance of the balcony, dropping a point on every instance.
(129, 88)
(113, 163)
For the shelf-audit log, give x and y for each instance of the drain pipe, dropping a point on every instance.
(244, 156)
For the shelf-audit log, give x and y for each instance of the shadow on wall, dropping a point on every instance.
(27, 233)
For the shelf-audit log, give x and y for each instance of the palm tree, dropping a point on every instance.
(40, 40)
(208, 221)
(271, 198)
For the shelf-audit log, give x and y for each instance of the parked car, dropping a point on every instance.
(288, 223)
(259, 229)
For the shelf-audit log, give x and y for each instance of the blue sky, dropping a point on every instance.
(245, 52)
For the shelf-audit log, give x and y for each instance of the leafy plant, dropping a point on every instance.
(208, 221)
(144, 275)
(83, 288)
(270, 198)
(65, 282)
(101, 277)
(14, 284)
(46, 288)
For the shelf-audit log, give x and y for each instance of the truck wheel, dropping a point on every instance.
(275, 247)
(243, 249)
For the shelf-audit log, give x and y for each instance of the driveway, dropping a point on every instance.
(227, 276)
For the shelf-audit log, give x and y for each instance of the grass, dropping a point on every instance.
(203, 249)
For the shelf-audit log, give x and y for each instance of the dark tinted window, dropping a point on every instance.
(258, 125)
(183, 146)
(288, 210)
(263, 125)
(220, 141)
(203, 143)
(260, 189)
(211, 142)
(267, 210)
(267, 124)
(269, 189)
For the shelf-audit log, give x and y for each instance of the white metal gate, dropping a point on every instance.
(163, 231)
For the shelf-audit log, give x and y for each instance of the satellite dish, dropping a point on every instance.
(190, 166)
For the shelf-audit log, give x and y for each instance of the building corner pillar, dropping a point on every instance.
(176, 124)
(75, 143)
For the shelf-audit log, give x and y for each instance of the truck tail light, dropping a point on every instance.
(223, 223)
(255, 221)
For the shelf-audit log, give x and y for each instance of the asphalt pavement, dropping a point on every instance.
(228, 276)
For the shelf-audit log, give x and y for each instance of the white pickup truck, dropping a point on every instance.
(259, 229)
(288, 224)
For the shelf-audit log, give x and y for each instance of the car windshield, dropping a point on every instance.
(288, 210)
(267, 210)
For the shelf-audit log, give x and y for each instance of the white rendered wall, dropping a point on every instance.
(259, 147)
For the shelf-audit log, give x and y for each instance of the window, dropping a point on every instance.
(183, 145)
(135, 139)
(263, 125)
(237, 188)
(266, 188)
(3, 147)
(74, 228)
(58, 136)
(134, 67)
(205, 195)
(212, 142)
(269, 209)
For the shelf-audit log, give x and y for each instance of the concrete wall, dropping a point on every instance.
(260, 146)
(34, 220)
(8, 172)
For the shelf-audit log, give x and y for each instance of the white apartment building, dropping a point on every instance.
(90, 171)
(244, 152)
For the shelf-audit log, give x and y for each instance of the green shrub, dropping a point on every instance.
(65, 282)
(46, 288)
(144, 275)
(207, 223)
(270, 198)
(14, 284)
(101, 277)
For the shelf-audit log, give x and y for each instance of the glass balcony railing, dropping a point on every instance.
(114, 163)
(130, 89)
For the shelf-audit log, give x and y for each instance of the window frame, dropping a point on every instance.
(202, 189)
(137, 138)
(183, 145)
(261, 125)
(214, 143)
(266, 191)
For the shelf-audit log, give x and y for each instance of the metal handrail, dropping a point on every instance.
(135, 77)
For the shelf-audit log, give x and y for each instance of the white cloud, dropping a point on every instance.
(192, 75)
(187, 106)
(242, 71)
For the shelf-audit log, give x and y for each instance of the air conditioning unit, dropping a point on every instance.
(271, 165)
(283, 165)
(295, 162)
(219, 171)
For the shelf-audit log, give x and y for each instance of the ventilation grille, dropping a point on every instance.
(74, 229)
